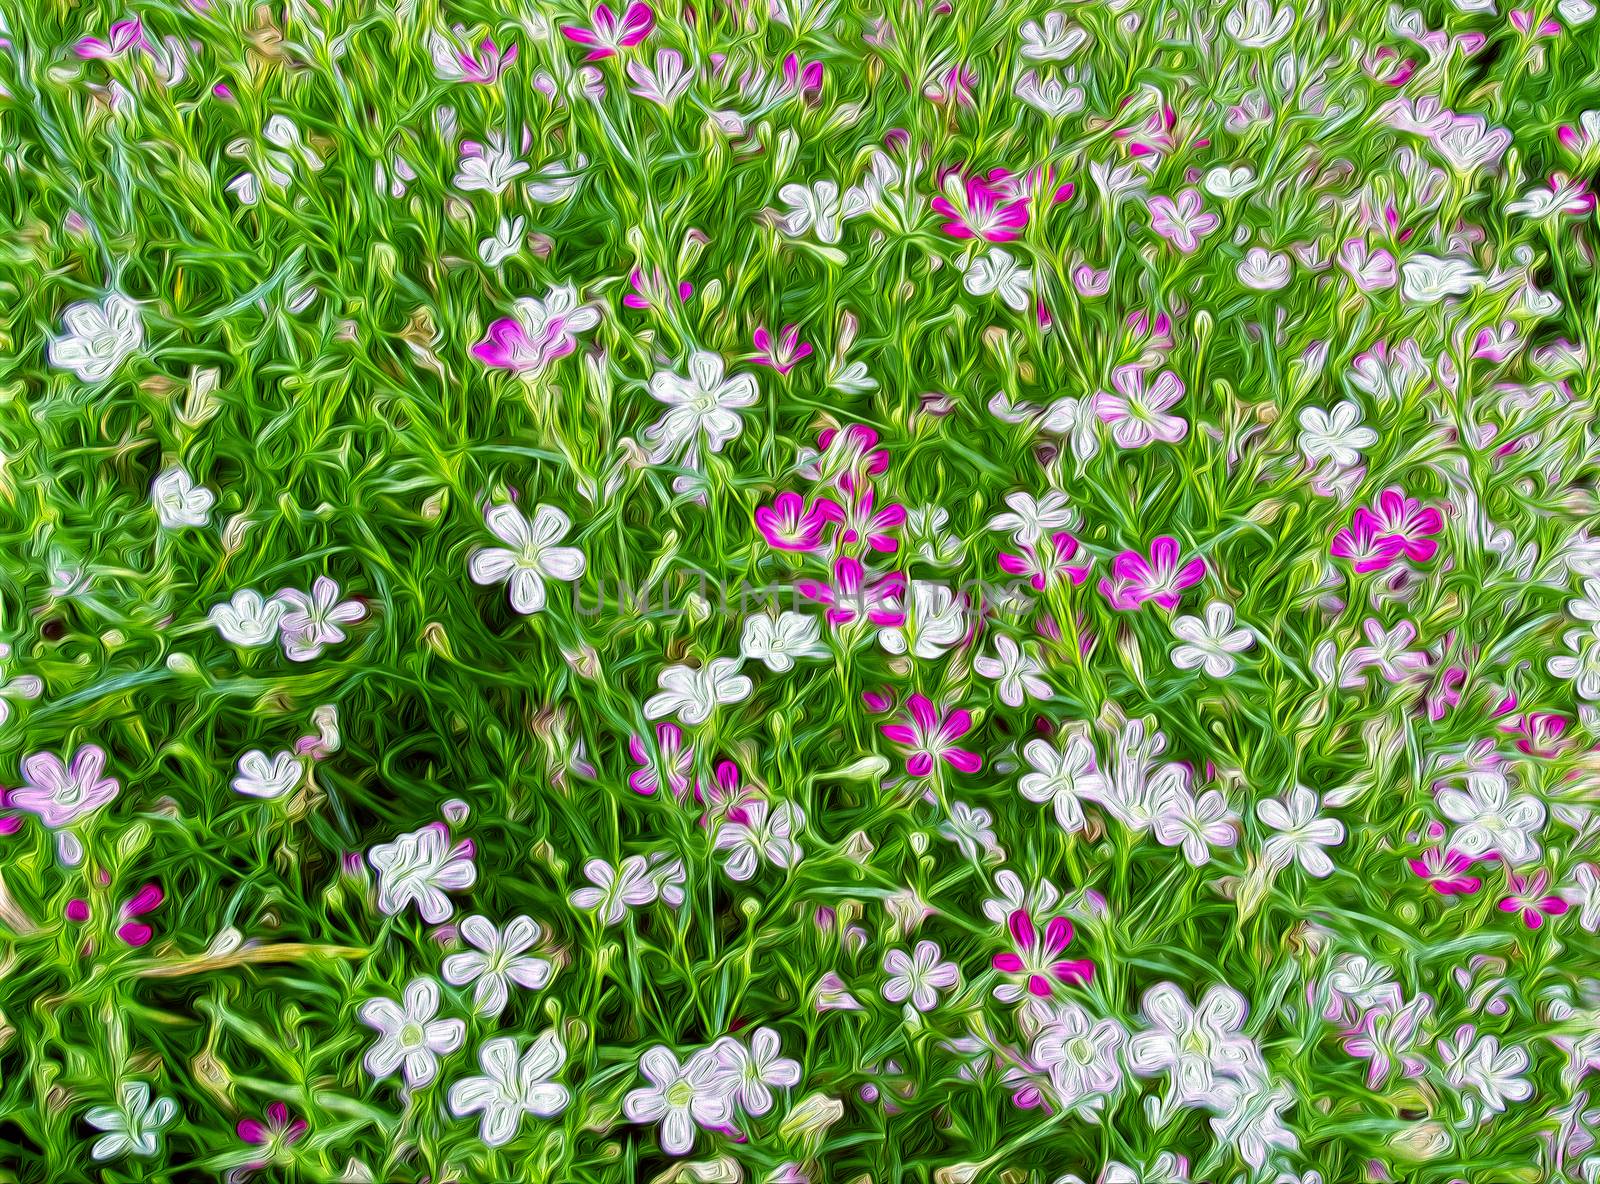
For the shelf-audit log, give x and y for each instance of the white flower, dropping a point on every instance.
(1250, 1118)
(178, 501)
(1054, 41)
(1029, 520)
(504, 243)
(310, 622)
(1302, 832)
(1081, 1055)
(679, 1096)
(616, 890)
(1075, 421)
(510, 1088)
(820, 208)
(1194, 1045)
(498, 958)
(1337, 436)
(1019, 674)
(919, 976)
(1426, 279)
(1223, 182)
(250, 619)
(751, 1074)
(753, 834)
(1196, 824)
(936, 621)
(1255, 24)
(703, 404)
(1585, 894)
(99, 337)
(692, 693)
(970, 829)
(490, 167)
(777, 641)
(1489, 817)
(409, 1035)
(419, 868)
(1263, 270)
(1136, 788)
(1063, 777)
(133, 1125)
(996, 271)
(1052, 96)
(1582, 665)
(1479, 1063)
(1212, 642)
(261, 777)
(530, 555)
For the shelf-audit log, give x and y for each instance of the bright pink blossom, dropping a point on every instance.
(1039, 960)
(931, 737)
(1161, 577)
(609, 35)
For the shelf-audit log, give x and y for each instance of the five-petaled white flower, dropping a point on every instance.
(1064, 777)
(1336, 435)
(1302, 832)
(311, 620)
(1490, 818)
(179, 502)
(919, 975)
(498, 958)
(616, 890)
(777, 641)
(99, 337)
(679, 1096)
(1212, 642)
(419, 868)
(692, 693)
(1029, 520)
(1019, 673)
(249, 619)
(1193, 1044)
(750, 1074)
(133, 1125)
(511, 1087)
(408, 1034)
(530, 555)
(705, 403)
(753, 832)
(998, 272)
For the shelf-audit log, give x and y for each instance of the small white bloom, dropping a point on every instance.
(1020, 674)
(704, 405)
(530, 555)
(1211, 642)
(249, 619)
(133, 1125)
(311, 620)
(1489, 817)
(178, 501)
(820, 208)
(752, 834)
(1223, 182)
(419, 868)
(504, 243)
(498, 960)
(936, 620)
(1302, 832)
(679, 1096)
(692, 693)
(1063, 776)
(409, 1035)
(777, 641)
(1480, 1063)
(998, 272)
(511, 1087)
(750, 1074)
(1337, 435)
(1029, 520)
(919, 976)
(263, 777)
(1053, 41)
(489, 167)
(616, 890)
(99, 337)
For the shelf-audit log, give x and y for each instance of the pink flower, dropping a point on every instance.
(609, 35)
(539, 333)
(1038, 961)
(1526, 897)
(652, 292)
(853, 595)
(1388, 1034)
(861, 522)
(1182, 223)
(1361, 542)
(931, 738)
(984, 211)
(788, 354)
(483, 64)
(134, 933)
(1406, 522)
(1138, 413)
(1444, 869)
(954, 86)
(1161, 578)
(276, 1133)
(60, 795)
(1539, 733)
(806, 79)
(790, 525)
(1047, 563)
(124, 36)
(675, 766)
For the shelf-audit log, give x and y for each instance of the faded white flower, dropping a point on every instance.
(99, 337)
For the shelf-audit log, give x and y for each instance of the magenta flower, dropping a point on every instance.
(1539, 733)
(652, 293)
(860, 521)
(1047, 563)
(457, 61)
(932, 738)
(1161, 578)
(675, 767)
(853, 595)
(277, 1133)
(134, 933)
(806, 79)
(1404, 521)
(1184, 222)
(1039, 961)
(60, 795)
(984, 211)
(786, 355)
(1527, 897)
(1445, 869)
(123, 37)
(1363, 545)
(609, 35)
(791, 525)
(847, 456)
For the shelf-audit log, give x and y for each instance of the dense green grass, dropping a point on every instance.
(257, 251)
